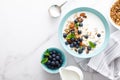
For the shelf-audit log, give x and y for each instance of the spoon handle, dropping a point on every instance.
(63, 4)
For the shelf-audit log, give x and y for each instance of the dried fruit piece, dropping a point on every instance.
(80, 19)
(83, 15)
(72, 25)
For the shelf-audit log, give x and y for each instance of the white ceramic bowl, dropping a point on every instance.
(54, 70)
(111, 21)
(98, 16)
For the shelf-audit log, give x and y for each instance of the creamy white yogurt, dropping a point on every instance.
(92, 24)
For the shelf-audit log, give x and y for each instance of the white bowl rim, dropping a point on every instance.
(110, 20)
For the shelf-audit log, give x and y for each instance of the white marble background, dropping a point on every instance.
(26, 30)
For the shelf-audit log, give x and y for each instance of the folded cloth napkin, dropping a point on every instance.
(107, 62)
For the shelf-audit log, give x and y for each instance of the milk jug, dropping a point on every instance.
(70, 73)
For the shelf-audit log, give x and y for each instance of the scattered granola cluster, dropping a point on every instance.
(115, 12)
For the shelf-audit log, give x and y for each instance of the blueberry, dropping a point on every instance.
(75, 21)
(89, 48)
(78, 42)
(81, 24)
(57, 62)
(95, 44)
(48, 63)
(79, 31)
(59, 65)
(53, 63)
(58, 54)
(54, 59)
(77, 46)
(64, 35)
(83, 48)
(74, 43)
(98, 35)
(54, 51)
(80, 39)
(58, 57)
(80, 51)
(72, 39)
(53, 55)
(66, 43)
(86, 36)
(52, 67)
(50, 57)
(49, 66)
(71, 45)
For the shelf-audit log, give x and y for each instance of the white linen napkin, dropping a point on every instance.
(106, 63)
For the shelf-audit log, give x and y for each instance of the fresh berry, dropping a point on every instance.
(48, 63)
(53, 63)
(77, 46)
(79, 31)
(81, 24)
(66, 43)
(83, 48)
(53, 55)
(80, 39)
(58, 57)
(49, 66)
(74, 43)
(86, 36)
(64, 35)
(71, 45)
(52, 67)
(98, 35)
(89, 48)
(75, 21)
(54, 59)
(80, 51)
(59, 65)
(78, 42)
(72, 39)
(57, 62)
(95, 44)
(54, 51)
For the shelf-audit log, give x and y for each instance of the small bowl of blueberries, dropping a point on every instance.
(52, 60)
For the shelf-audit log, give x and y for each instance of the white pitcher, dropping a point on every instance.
(70, 73)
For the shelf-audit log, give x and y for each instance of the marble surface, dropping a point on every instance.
(26, 30)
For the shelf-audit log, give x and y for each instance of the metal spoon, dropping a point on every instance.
(55, 10)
